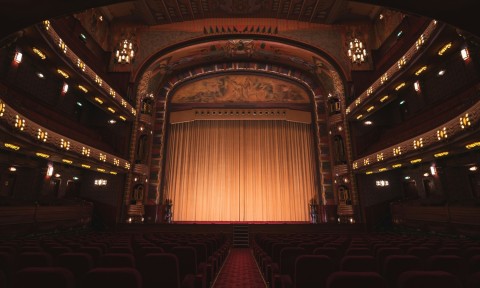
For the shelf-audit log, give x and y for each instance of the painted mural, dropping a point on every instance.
(240, 88)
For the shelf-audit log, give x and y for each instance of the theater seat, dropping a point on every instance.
(345, 279)
(312, 271)
(124, 277)
(41, 277)
(427, 279)
(160, 270)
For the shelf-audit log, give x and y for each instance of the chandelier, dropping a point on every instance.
(356, 51)
(125, 51)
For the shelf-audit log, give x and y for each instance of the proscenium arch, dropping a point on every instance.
(337, 79)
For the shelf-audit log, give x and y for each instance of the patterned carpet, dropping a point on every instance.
(240, 271)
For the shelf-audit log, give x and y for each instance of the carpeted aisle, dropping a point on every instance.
(240, 271)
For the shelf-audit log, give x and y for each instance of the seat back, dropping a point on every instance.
(160, 270)
(346, 279)
(117, 260)
(118, 277)
(423, 279)
(358, 263)
(40, 277)
(312, 271)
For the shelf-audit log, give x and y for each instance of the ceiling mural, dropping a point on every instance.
(240, 89)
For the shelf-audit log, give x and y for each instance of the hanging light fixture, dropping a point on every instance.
(356, 51)
(125, 51)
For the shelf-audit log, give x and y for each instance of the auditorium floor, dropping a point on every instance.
(239, 271)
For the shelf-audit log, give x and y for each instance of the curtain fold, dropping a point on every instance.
(240, 170)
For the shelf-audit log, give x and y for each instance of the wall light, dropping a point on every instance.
(18, 57)
(465, 54)
(39, 53)
(473, 168)
(12, 169)
(433, 170)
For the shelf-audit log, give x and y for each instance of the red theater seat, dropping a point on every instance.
(124, 277)
(312, 271)
(344, 279)
(41, 277)
(427, 279)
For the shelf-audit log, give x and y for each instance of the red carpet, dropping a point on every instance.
(240, 271)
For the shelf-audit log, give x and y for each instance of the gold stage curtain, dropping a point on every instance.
(236, 170)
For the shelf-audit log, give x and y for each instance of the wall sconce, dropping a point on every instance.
(356, 51)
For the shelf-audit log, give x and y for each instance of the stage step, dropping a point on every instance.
(241, 236)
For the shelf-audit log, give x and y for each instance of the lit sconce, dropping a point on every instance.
(11, 146)
(420, 41)
(400, 86)
(62, 46)
(39, 53)
(339, 128)
(42, 135)
(382, 183)
(63, 73)
(2, 108)
(124, 103)
(113, 172)
(441, 72)
(426, 174)
(40, 75)
(46, 24)
(57, 175)
(98, 80)
(369, 91)
(79, 104)
(19, 123)
(433, 170)
(465, 121)
(112, 93)
(359, 117)
(18, 57)
(442, 134)
(102, 157)
(12, 169)
(366, 161)
(396, 165)
(86, 166)
(116, 162)
(112, 121)
(123, 118)
(101, 170)
(370, 108)
(421, 70)
(67, 161)
(384, 98)
(134, 112)
(402, 102)
(85, 90)
(135, 179)
(127, 165)
(100, 182)
(75, 178)
(64, 144)
(397, 151)
(440, 154)
(473, 168)
(416, 86)
(347, 111)
(379, 157)
(369, 172)
(125, 51)
(355, 165)
(418, 143)
(111, 109)
(129, 220)
(415, 161)
(42, 155)
(445, 48)
(356, 51)
(465, 54)
(406, 177)
(401, 62)
(358, 101)
(384, 78)
(64, 88)
(146, 180)
(380, 16)
(472, 145)
(86, 151)
(368, 122)
(345, 180)
(49, 170)
(382, 169)
(81, 65)
(98, 100)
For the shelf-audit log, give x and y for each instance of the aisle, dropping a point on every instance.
(240, 271)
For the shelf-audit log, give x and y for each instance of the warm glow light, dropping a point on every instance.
(396, 165)
(113, 172)
(433, 170)
(12, 169)
(441, 72)
(100, 182)
(465, 54)
(67, 161)
(111, 109)
(400, 86)
(419, 71)
(42, 155)
(416, 161)
(382, 169)
(64, 88)
(86, 166)
(370, 108)
(101, 169)
(49, 170)
(473, 168)
(125, 51)
(123, 118)
(359, 116)
(39, 53)
(368, 122)
(63, 73)
(369, 172)
(85, 90)
(356, 51)
(407, 177)
(441, 154)
(384, 98)
(18, 57)
(11, 146)
(472, 145)
(426, 174)
(445, 48)
(381, 183)
(57, 175)
(416, 85)
(98, 100)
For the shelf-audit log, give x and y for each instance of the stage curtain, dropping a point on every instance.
(236, 170)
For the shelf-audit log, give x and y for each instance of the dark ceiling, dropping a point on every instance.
(17, 14)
